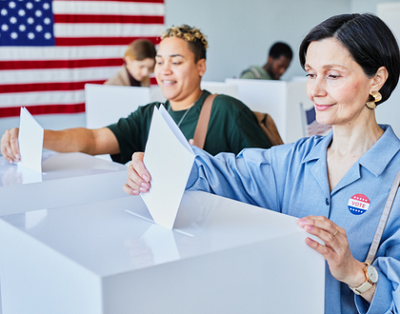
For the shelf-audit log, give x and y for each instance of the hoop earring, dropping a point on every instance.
(377, 97)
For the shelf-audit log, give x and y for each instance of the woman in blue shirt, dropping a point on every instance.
(338, 184)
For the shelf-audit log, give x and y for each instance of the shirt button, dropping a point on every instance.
(327, 201)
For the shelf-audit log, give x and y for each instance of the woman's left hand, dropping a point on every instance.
(343, 266)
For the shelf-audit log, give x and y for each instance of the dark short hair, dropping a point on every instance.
(280, 49)
(193, 36)
(369, 41)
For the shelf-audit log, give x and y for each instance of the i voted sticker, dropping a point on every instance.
(358, 204)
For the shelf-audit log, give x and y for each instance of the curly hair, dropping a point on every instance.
(196, 40)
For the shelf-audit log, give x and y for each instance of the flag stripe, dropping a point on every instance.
(121, 19)
(61, 53)
(145, 1)
(101, 41)
(20, 88)
(107, 30)
(42, 98)
(57, 75)
(49, 109)
(107, 7)
(59, 64)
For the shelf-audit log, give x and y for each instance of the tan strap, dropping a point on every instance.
(268, 126)
(382, 223)
(202, 124)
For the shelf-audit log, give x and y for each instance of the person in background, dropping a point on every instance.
(279, 58)
(337, 184)
(180, 65)
(139, 63)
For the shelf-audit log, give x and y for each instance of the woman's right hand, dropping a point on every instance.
(9, 146)
(138, 177)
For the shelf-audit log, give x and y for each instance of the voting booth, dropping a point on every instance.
(66, 179)
(108, 257)
(286, 102)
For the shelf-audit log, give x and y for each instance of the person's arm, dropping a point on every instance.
(345, 268)
(93, 142)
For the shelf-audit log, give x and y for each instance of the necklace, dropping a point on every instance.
(184, 115)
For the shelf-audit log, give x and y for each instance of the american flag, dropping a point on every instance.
(313, 127)
(49, 49)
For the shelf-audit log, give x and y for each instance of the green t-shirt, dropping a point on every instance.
(232, 127)
(255, 73)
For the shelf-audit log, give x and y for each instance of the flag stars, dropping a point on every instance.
(13, 20)
(22, 28)
(47, 21)
(4, 27)
(12, 5)
(47, 36)
(30, 20)
(29, 5)
(21, 12)
(14, 35)
(39, 28)
(4, 12)
(46, 6)
(38, 13)
(31, 35)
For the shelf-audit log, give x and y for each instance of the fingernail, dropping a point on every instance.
(143, 190)
(144, 185)
(145, 177)
(309, 228)
(135, 192)
(302, 222)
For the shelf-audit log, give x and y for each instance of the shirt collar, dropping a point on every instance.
(375, 159)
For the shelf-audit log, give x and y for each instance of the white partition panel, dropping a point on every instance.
(106, 104)
(279, 99)
(220, 88)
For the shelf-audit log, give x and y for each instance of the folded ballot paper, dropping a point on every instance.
(30, 140)
(169, 159)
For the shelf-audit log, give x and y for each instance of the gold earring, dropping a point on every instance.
(377, 97)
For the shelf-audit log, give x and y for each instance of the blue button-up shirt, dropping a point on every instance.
(293, 179)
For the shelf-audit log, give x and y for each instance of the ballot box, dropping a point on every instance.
(66, 179)
(222, 256)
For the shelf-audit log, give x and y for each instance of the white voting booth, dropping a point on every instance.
(108, 257)
(66, 179)
(282, 100)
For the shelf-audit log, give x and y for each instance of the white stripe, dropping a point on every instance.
(57, 75)
(42, 98)
(107, 7)
(61, 53)
(107, 30)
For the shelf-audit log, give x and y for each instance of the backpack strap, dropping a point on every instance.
(253, 70)
(202, 124)
(268, 125)
(382, 223)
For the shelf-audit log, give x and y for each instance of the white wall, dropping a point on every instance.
(241, 32)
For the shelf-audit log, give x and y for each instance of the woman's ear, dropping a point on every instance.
(201, 66)
(379, 79)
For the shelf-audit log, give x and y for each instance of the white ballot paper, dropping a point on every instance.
(30, 139)
(169, 159)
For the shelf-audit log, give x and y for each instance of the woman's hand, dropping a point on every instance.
(10, 146)
(343, 266)
(138, 176)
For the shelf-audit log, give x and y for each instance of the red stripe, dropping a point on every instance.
(59, 64)
(153, 81)
(120, 19)
(43, 109)
(100, 41)
(144, 1)
(43, 87)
